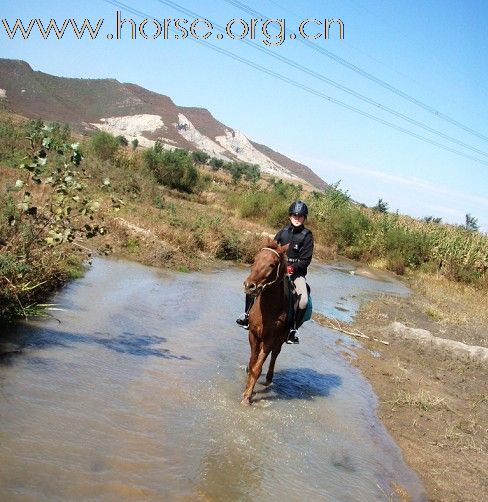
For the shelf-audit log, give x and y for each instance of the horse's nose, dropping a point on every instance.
(249, 286)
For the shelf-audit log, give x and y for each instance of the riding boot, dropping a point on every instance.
(299, 317)
(292, 335)
(243, 319)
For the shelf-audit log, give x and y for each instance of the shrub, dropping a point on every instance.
(216, 163)
(174, 168)
(122, 140)
(238, 170)
(40, 214)
(104, 145)
(200, 157)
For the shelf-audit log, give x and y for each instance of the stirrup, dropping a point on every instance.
(292, 337)
(243, 321)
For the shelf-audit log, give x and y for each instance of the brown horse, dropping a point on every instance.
(268, 315)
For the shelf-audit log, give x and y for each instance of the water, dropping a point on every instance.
(134, 394)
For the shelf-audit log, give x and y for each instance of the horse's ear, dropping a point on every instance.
(283, 249)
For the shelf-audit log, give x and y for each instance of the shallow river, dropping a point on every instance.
(133, 393)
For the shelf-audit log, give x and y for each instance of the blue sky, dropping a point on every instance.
(431, 50)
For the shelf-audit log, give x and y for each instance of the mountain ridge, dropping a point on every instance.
(137, 113)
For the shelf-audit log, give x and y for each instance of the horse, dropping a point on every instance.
(268, 323)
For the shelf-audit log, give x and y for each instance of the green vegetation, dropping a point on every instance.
(395, 242)
(174, 168)
(399, 241)
(179, 209)
(238, 170)
(200, 157)
(40, 213)
(104, 145)
(471, 223)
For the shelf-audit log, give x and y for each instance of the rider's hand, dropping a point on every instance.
(290, 269)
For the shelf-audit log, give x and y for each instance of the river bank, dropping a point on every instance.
(433, 400)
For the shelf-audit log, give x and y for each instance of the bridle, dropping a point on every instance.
(262, 287)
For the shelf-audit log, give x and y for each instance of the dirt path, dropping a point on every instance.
(434, 402)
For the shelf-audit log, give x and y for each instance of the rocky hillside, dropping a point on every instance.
(136, 113)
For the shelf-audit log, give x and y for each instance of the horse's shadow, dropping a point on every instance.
(299, 383)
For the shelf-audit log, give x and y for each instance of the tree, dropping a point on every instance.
(337, 196)
(381, 206)
(432, 219)
(471, 223)
(134, 143)
(46, 209)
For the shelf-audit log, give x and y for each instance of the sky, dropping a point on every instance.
(397, 109)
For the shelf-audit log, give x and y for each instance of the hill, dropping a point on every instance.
(137, 113)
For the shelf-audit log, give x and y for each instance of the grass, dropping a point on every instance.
(214, 216)
(421, 400)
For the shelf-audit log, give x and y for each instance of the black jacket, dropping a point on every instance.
(301, 246)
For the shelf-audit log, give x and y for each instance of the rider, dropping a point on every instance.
(299, 257)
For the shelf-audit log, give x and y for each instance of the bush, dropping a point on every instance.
(104, 145)
(43, 211)
(216, 164)
(122, 140)
(411, 246)
(200, 157)
(174, 169)
(238, 170)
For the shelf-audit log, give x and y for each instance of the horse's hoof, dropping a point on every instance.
(246, 401)
(267, 383)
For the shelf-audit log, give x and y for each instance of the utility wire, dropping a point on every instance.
(308, 89)
(327, 80)
(369, 76)
(361, 51)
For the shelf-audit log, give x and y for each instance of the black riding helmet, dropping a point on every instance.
(298, 207)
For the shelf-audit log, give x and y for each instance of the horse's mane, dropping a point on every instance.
(270, 243)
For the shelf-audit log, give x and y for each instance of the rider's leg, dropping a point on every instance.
(243, 319)
(301, 289)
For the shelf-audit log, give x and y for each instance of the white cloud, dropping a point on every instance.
(410, 194)
(413, 181)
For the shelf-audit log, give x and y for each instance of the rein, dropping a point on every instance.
(277, 269)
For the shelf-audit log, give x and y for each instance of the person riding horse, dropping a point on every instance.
(299, 257)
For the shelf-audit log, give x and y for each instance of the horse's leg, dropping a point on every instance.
(254, 374)
(274, 354)
(253, 342)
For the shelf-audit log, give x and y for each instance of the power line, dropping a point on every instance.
(361, 51)
(369, 76)
(309, 89)
(327, 80)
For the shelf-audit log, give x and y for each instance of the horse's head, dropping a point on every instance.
(269, 267)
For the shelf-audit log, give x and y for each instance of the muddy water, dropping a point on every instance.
(133, 393)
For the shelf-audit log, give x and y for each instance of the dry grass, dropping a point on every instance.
(458, 310)
(421, 399)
